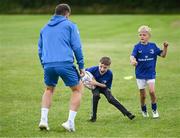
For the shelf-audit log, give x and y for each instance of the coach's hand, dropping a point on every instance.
(82, 72)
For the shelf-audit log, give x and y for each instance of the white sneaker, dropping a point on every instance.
(68, 125)
(145, 114)
(155, 114)
(44, 126)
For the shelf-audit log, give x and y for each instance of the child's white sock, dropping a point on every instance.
(72, 115)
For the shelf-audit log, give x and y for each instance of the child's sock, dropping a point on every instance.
(143, 108)
(154, 106)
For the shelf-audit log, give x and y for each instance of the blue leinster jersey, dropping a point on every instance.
(106, 78)
(146, 56)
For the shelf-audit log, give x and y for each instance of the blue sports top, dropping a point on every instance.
(106, 78)
(146, 56)
(59, 42)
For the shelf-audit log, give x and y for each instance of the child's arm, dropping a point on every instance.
(95, 83)
(133, 60)
(164, 52)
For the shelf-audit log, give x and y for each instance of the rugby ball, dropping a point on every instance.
(86, 79)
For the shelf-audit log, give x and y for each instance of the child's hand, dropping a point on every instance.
(93, 82)
(134, 62)
(165, 44)
(96, 83)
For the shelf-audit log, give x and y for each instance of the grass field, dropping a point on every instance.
(21, 78)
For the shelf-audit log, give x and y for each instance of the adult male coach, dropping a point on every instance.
(59, 42)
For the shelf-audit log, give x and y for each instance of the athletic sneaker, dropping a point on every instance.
(44, 126)
(68, 125)
(131, 116)
(155, 114)
(145, 114)
(92, 119)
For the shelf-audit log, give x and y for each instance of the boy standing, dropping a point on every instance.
(103, 80)
(143, 57)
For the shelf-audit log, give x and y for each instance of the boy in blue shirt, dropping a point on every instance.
(103, 80)
(143, 57)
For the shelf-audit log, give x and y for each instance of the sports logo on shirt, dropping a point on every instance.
(152, 51)
(104, 81)
(139, 51)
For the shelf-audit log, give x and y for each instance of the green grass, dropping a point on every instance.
(21, 78)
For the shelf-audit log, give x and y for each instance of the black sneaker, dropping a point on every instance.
(131, 116)
(92, 119)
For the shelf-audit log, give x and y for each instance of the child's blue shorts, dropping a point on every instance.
(68, 74)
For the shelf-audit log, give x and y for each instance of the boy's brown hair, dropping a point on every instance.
(106, 61)
(62, 9)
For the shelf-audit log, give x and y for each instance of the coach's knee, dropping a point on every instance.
(77, 88)
(49, 89)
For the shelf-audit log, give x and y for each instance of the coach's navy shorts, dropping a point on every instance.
(68, 74)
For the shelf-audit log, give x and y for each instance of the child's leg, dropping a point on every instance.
(142, 88)
(151, 84)
(141, 83)
(143, 104)
(95, 100)
(116, 103)
(143, 99)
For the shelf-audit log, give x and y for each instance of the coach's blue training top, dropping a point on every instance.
(146, 56)
(106, 78)
(59, 38)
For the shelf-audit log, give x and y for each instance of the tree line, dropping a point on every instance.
(91, 6)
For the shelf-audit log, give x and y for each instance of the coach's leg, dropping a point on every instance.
(45, 105)
(76, 96)
(74, 105)
(47, 97)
